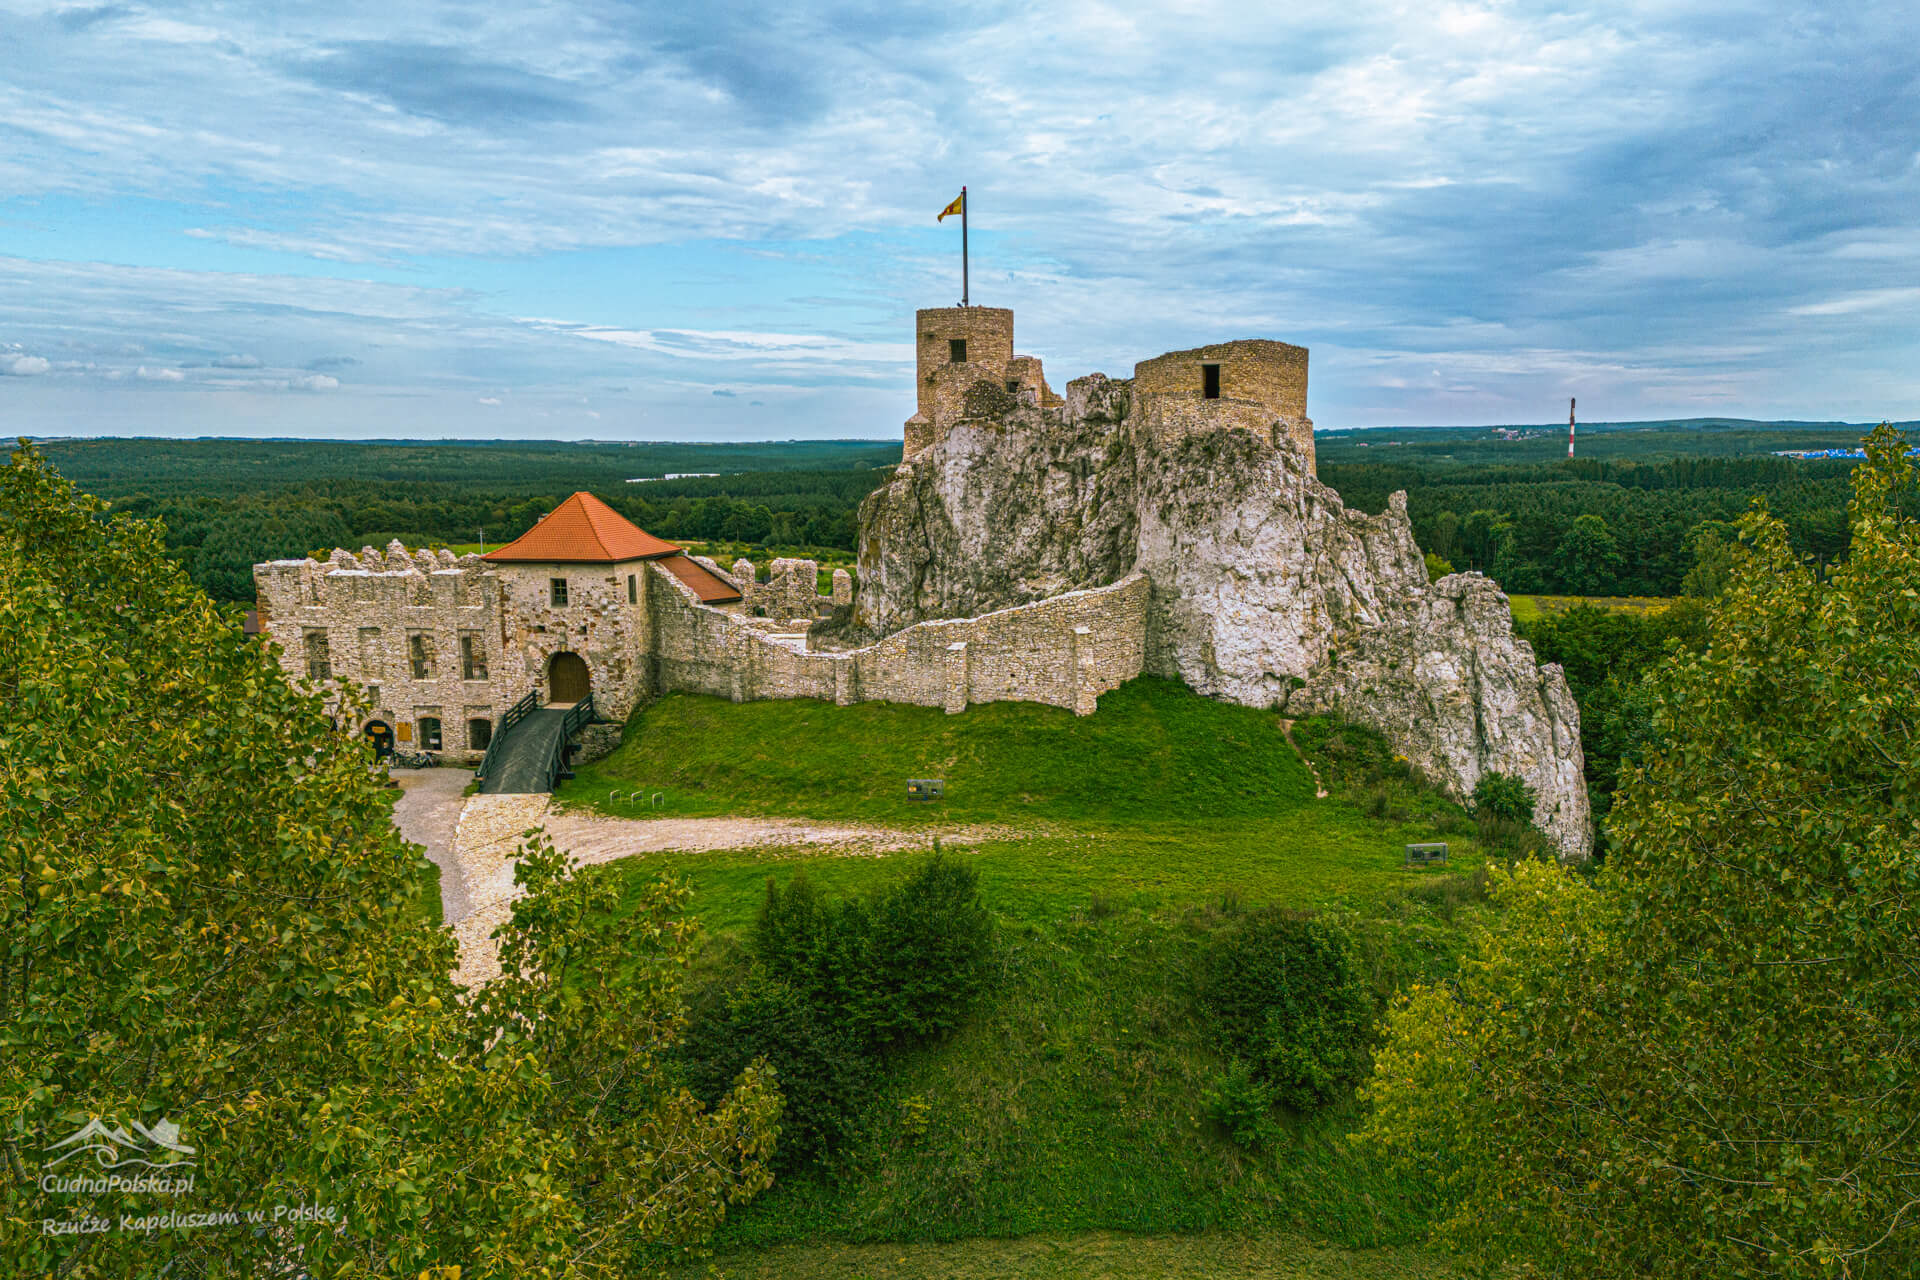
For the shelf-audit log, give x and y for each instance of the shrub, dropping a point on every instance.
(1501, 795)
(894, 969)
(824, 1078)
(1242, 1105)
(1288, 999)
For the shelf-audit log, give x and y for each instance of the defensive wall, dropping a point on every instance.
(1064, 651)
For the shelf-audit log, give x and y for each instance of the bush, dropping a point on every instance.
(1503, 796)
(824, 1079)
(1242, 1105)
(1288, 999)
(895, 969)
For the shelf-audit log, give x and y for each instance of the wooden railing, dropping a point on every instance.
(578, 715)
(515, 714)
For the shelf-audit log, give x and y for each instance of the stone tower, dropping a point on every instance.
(955, 350)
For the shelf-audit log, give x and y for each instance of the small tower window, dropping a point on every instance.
(957, 350)
(557, 592)
(633, 589)
(1209, 382)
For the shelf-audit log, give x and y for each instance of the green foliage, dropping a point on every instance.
(1438, 567)
(894, 969)
(1502, 795)
(825, 1078)
(1705, 1062)
(1617, 521)
(206, 916)
(1241, 1104)
(1605, 654)
(1283, 988)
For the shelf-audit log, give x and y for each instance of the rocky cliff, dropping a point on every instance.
(1266, 590)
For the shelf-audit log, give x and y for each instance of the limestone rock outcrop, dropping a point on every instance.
(1265, 589)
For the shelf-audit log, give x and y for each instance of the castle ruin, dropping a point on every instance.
(1030, 547)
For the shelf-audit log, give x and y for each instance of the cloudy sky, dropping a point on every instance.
(714, 221)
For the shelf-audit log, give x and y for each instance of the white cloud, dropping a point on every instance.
(237, 362)
(490, 400)
(314, 382)
(19, 366)
(147, 373)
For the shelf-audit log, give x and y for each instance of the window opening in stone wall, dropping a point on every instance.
(557, 592)
(420, 653)
(429, 733)
(473, 658)
(319, 661)
(1209, 382)
(957, 350)
(633, 589)
(479, 734)
(373, 694)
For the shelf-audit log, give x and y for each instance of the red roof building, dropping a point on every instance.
(583, 530)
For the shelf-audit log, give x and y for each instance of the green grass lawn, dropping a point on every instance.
(1153, 754)
(1532, 608)
(1106, 1254)
(1073, 1100)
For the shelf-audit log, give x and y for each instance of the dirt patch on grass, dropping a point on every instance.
(596, 838)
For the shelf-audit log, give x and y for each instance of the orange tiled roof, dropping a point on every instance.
(584, 529)
(710, 589)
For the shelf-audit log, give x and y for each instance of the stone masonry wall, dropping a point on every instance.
(370, 607)
(1063, 651)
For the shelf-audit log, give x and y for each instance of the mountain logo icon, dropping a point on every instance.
(157, 1146)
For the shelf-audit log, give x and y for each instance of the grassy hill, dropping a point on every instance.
(1073, 1100)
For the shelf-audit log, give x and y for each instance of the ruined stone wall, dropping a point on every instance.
(1064, 651)
(370, 607)
(1263, 389)
(792, 589)
(1256, 370)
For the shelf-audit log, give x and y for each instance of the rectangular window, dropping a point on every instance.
(420, 652)
(633, 589)
(319, 659)
(1209, 382)
(369, 652)
(557, 592)
(429, 733)
(957, 350)
(1013, 386)
(473, 658)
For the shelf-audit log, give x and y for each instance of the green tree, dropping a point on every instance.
(1708, 1061)
(1710, 544)
(1588, 559)
(207, 918)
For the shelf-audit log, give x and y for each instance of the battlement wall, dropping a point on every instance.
(1064, 651)
(1256, 385)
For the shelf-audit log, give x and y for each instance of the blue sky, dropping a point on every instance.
(633, 221)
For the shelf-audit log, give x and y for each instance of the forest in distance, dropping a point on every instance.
(1632, 515)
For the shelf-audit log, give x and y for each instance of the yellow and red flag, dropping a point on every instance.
(959, 206)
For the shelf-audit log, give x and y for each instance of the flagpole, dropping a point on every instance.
(963, 246)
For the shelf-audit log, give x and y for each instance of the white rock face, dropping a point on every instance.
(1267, 591)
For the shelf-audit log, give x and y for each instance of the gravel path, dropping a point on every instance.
(426, 813)
(596, 838)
